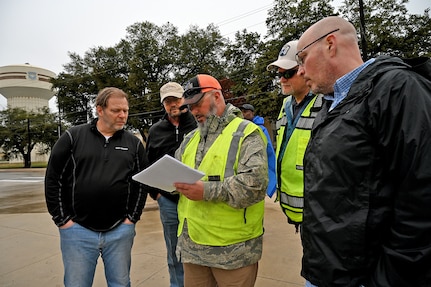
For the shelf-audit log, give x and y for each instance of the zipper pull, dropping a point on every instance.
(176, 133)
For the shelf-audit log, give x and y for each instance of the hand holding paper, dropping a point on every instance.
(165, 172)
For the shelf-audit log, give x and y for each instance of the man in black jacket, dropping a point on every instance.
(367, 167)
(91, 195)
(164, 137)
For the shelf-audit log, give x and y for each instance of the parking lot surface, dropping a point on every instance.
(30, 252)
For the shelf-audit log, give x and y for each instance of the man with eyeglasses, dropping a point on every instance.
(164, 137)
(221, 216)
(293, 131)
(367, 168)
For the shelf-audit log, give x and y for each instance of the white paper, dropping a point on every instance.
(165, 172)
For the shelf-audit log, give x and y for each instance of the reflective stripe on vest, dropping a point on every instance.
(217, 223)
(234, 148)
(291, 186)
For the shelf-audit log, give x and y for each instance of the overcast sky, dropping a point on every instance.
(42, 32)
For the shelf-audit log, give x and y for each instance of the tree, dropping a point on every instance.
(201, 52)
(152, 55)
(75, 90)
(389, 29)
(21, 131)
(241, 57)
(140, 64)
(286, 21)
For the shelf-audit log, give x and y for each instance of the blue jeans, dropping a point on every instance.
(82, 247)
(169, 218)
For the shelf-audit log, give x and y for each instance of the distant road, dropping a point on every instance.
(22, 191)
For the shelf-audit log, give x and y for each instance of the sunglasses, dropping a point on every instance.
(287, 74)
(190, 93)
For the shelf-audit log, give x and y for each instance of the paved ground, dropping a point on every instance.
(30, 253)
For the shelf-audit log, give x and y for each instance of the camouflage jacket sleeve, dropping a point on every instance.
(249, 185)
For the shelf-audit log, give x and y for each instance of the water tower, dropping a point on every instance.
(26, 86)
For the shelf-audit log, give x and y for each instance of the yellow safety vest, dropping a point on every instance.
(290, 191)
(217, 223)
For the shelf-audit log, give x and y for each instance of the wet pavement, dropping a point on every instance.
(20, 191)
(30, 253)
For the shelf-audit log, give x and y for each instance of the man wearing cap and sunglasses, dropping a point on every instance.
(293, 132)
(164, 137)
(221, 216)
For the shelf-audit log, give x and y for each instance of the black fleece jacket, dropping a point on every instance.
(89, 178)
(165, 138)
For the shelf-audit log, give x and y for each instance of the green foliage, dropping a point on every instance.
(150, 60)
(20, 131)
(152, 55)
(241, 59)
(200, 51)
(389, 29)
(288, 19)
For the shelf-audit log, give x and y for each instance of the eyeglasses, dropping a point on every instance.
(300, 60)
(287, 74)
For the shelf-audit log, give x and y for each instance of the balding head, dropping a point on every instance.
(328, 50)
(329, 24)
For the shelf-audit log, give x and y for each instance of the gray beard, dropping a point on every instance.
(203, 128)
(212, 115)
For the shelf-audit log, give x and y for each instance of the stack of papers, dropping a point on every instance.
(165, 172)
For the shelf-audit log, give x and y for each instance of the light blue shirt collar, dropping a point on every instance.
(343, 84)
